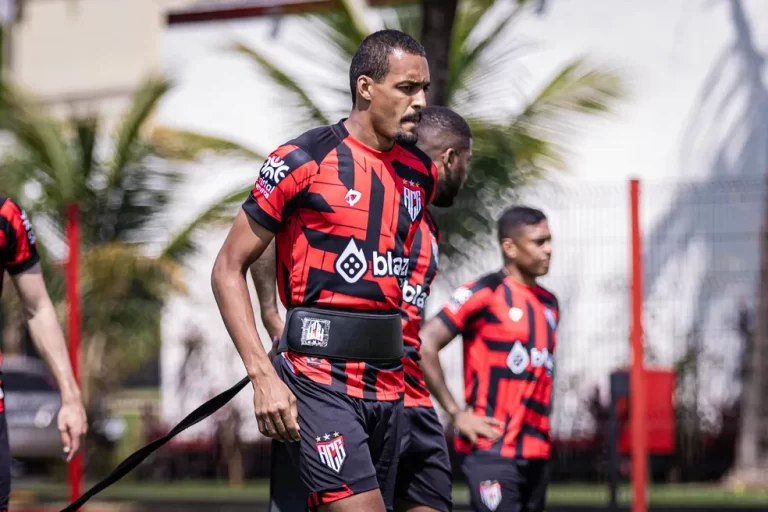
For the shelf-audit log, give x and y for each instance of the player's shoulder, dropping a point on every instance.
(317, 143)
(9, 209)
(418, 158)
(489, 282)
(484, 286)
(547, 297)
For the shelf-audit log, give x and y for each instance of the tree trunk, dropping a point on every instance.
(436, 31)
(751, 468)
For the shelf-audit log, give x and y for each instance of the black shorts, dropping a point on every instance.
(5, 464)
(287, 492)
(348, 445)
(498, 483)
(424, 471)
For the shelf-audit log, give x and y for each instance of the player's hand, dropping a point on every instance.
(472, 426)
(73, 425)
(276, 411)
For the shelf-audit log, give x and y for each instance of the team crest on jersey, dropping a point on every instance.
(490, 493)
(550, 315)
(330, 448)
(314, 332)
(413, 198)
(515, 314)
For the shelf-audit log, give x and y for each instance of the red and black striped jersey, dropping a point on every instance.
(509, 332)
(422, 269)
(18, 247)
(344, 217)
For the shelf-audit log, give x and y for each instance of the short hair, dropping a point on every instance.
(443, 128)
(372, 56)
(516, 217)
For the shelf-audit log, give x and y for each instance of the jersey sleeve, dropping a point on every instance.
(18, 246)
(283, 176)
(462, 305)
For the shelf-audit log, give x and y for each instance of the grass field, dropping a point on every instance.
(577, 494)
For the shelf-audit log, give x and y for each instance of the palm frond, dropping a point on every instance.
(187, 146)
(41, 138)
(144, 102)
(313, 115)
(577, 90)
(470, 60)
(182, 243)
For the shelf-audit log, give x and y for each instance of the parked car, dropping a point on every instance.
(32, 405)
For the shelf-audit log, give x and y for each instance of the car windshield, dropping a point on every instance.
(14, 381)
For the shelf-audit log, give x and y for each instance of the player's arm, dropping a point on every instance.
(283, 176)
(264, 274)
(23, 264)
(275, 405)
(435, 335)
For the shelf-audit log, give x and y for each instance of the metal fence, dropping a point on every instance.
(701, 266)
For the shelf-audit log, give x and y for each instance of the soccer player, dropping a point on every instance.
(343, 203)
(508, 324)
(19, 256)
(424, 471)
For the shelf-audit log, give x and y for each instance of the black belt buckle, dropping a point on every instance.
(356, 336)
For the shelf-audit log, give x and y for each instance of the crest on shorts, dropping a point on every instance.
(490, 493)
(413, 200)
(330, 448)
(314, 332)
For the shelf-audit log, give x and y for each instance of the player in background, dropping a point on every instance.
(424, 473)
(508, 324)
(424, 470)
(343, 203)
(19, 256)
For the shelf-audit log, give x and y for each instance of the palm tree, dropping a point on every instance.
(511, 148)
(122, 184)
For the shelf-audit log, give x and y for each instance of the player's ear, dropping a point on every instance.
(364, 87)
(509, 248)
(448, 157)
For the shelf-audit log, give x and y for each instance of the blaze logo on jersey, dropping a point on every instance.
(415, 295)
(315, 332)
(519, 359)
(352, 264)
(330, 448)
(490, 493)
(412, 198)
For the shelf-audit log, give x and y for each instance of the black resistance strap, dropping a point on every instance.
(133, 460)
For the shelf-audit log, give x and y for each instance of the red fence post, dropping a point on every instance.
(638, 414)
(75, 469)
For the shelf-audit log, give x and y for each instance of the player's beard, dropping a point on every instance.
(403, 137)
(445, 195)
